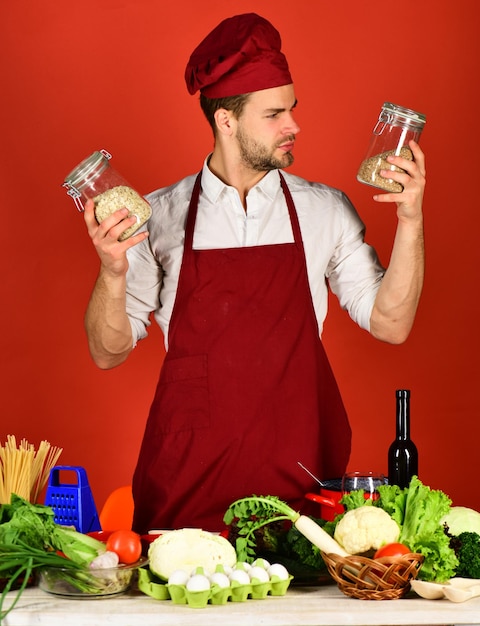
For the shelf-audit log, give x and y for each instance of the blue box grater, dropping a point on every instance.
(73, 504)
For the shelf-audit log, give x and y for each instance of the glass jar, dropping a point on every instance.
(94, 178)
(396, 126)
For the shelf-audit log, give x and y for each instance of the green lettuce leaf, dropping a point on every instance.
(418, 510)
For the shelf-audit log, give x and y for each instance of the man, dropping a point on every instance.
(234, 266)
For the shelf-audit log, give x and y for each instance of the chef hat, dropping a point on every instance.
(242, 54)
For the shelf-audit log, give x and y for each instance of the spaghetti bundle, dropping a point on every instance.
(24, 471)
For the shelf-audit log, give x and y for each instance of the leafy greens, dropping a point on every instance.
(30, 539)
(418, 510)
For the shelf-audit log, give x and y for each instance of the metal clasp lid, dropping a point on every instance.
(72, 191)
(75, 194)
(400, 116)
(383, 119)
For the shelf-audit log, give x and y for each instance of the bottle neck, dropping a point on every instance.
(403, 414)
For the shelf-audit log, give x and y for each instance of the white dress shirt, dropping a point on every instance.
(332, 233)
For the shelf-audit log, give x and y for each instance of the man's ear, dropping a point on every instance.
(224, 121)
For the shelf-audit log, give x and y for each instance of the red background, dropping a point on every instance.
(77, 77)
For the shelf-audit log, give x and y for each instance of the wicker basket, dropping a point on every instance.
(387, 578)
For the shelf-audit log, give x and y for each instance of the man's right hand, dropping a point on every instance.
(104, 236)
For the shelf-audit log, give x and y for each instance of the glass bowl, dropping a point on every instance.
(87, 582)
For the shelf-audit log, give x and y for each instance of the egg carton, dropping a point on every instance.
(149, 584)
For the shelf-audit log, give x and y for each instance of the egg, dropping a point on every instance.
(178, 577)
(279, 570)
(261, 563)
(259, 573)
(240, 576)
(198, 582)
(243, 565)
(220, 579)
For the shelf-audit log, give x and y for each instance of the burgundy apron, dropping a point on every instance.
(245, 391)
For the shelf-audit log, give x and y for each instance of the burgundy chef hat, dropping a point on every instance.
(242, 54)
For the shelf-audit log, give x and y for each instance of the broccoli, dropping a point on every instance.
(467, 550)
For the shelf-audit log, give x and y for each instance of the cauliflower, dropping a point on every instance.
(366, 528)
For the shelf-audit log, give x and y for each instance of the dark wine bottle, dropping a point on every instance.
(403, 453)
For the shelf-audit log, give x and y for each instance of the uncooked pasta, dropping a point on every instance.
(24, 471)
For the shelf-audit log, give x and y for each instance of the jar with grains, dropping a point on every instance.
(395, 127)
(95, 178)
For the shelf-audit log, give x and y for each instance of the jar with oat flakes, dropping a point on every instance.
(95, 178)
(395, 127)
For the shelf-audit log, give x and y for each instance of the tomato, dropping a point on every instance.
(127, 544)
(392, 549)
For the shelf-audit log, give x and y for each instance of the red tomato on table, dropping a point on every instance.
(392, 549)
(127, 544)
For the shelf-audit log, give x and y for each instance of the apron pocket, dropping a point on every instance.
(181, 401)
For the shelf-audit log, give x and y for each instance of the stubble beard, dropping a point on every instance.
(258, 157)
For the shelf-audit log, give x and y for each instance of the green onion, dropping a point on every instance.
(20, 559)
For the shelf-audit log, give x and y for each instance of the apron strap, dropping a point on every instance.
(192, 214)
(297, 235)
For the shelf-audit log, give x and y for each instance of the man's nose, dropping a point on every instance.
(291, 126)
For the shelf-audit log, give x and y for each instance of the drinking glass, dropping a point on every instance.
(368, 481)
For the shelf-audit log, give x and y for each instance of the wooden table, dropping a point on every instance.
(301, 606)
